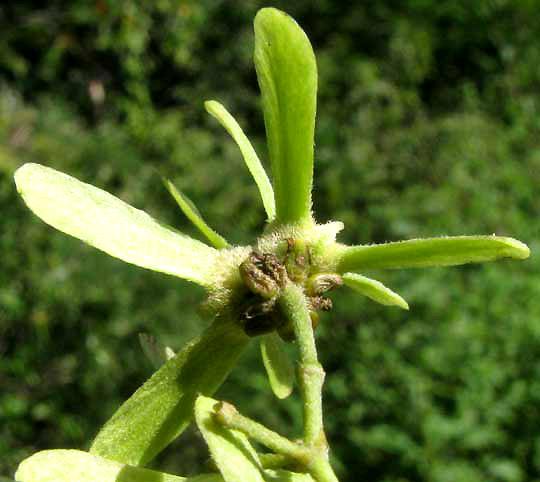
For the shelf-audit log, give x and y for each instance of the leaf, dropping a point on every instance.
(77, 466)
(154, 350)
(162, 408)
(230, 449)
(109, 224)
(278, 365)
(374, 289)
(193, 214)
(418, 253)
(286, 476)
(250, 156)
(287, 75)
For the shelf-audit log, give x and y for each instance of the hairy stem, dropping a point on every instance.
(321, 470)
(274, 461)
(294, 306)
(314, 459)
(311, 377)
(311, 374)
(228, 416)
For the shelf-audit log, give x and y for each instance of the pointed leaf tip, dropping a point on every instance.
(192, 213)
(287, 76)
(156, 352)
(374, 289)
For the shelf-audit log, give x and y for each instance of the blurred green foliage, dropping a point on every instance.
(428, 125)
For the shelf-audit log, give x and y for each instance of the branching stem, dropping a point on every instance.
(312, 452)
(228, 416)
(314, 459)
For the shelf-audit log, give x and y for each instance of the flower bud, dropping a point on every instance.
(323, 282)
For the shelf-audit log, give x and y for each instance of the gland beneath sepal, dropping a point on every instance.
(322, 282)
(263, 274)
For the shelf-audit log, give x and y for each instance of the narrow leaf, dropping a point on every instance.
(230, 449)
(374, 289)
(154, 350)
(193, 214)
(278, 365)
(77, 466)
(287, 75)
(162, 408)
(109, 224)
(418, 253)
(250, 156)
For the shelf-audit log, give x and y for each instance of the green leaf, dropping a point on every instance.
(278, 365)
(193, 214)
(154, 350)
(77, 466)
(162, 408)
(374, 289)
(230, 449)
(418, 253)
(287, 75)
(109, 224)
(286, 476)
(250, 156)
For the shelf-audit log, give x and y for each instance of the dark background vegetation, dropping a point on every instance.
(428, 125)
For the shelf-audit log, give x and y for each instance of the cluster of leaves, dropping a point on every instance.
(431, 130)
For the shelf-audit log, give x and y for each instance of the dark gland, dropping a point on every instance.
(265, 275)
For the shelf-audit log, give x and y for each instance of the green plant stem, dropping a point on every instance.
(228, 416)
(294, 306)
(310, 372)
(313, 452)
(273, 461)
(321, 470)
(314, 459)
(311, 375)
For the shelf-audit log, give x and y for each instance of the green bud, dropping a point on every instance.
(297, 260)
